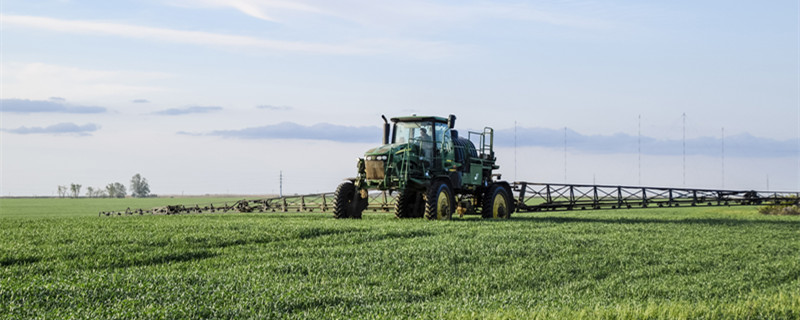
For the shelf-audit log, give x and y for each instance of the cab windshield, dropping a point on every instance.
(406, 132)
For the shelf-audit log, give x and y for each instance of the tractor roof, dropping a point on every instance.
(419, 118)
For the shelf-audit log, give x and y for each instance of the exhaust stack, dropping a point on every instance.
(385, 130)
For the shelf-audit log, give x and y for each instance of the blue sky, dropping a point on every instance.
(212, 96)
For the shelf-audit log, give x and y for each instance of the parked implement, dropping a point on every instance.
(434, 171)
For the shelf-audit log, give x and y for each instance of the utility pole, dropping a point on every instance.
(515, 151)
(281, 182)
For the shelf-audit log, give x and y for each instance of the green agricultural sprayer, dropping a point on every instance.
(424, 168)
(434, 171)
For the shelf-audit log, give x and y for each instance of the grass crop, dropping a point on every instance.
(669, 263)
(790, 207)
(781, 210)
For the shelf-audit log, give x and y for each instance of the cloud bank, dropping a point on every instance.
(58, 129)
(188, 110)
(274, 108)
(55, 105)
(741, 145)
(289, 130)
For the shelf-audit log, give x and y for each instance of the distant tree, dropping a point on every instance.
(139, 187)
(62, 191)
(111, 190)
(98, 193)
(89, 192)
(116, 190)
(121, 192)
(76, 190)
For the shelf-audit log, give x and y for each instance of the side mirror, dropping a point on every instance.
(451, 121)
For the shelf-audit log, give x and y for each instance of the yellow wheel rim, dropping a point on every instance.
(500, 207)
(442, 205)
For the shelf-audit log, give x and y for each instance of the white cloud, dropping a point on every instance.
(261, 9)
(162, 34)
(54, 105)
(188, 110)
(422, 49)
(408, 14)
(41, 81)
(67, 128)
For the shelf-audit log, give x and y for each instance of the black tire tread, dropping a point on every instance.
(488, 201)
(431, 198)
(342, 199)
(403, 206)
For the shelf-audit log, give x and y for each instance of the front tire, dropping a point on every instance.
(343, 202)
(497, 202)
(407, 205)
(439, 202)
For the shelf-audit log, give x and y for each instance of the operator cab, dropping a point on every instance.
(431, 134)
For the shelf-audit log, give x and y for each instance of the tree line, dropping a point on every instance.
(139, 188)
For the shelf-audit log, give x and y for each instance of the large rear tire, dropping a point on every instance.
(497, 202)
(343, 202)
(408, 205)
(439, 202)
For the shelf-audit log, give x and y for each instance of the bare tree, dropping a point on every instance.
(95, 192)
(62, 191)
(139, 187)
(76, 190)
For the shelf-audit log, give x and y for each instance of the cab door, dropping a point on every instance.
(444, 154)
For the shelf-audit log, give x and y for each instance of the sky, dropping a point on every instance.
(228, 97)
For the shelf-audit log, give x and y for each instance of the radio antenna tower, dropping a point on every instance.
(515, 151)
(639, 146)
(723, 157)
(684, 149)
(565, 154)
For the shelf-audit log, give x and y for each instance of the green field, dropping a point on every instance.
(59, 260)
